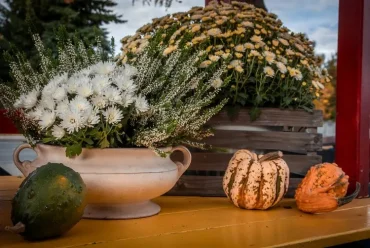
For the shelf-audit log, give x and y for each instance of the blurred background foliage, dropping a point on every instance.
(327, 103)
(18, 18)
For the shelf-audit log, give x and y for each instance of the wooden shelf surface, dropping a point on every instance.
(204, 222)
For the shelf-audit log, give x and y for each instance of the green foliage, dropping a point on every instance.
(19, 17)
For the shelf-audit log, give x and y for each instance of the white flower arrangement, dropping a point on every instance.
(88, 100)
(70, 103)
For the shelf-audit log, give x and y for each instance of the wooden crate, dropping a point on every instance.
(292, 132)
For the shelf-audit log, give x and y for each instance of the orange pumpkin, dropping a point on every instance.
(254, 181)
(323, 189)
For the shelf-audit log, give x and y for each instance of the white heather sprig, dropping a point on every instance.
(58, 132)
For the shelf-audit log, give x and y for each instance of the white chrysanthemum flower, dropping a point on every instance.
(255, 53)
(225, 55)
(283, 59)
(47, 119)
(58, 132)
(142, 46)
(36, 113)
(214, 58)
(99, 83)
(217, 83)
(53, 84)
(321, 86)
(289, 52)
(295, 73)
(214, 32)
(256, 38)
(299, 75)
(239, 69)
(72, 84)
(93, 118)
(113, 115)
(86, 72)
(80, 104)
(127, 99)
(59, 79)
(219, 47)
(130, 70)
(113, 95)
(235, 63)
(249, 45)
(247, 24)
(282, 68)
(72, 121)
(240, 48)
(284, 42)
(30, 99)
(85, 89)
(47, 102)
(269, 71)
(103, 67)
(126, 84)
(99, 102)
(169, 50)
(201, 53)
(60, 94)
(205, 64)
(62, 107)
(269, 56)
(299, 47)
(141, 104)
(317, 84)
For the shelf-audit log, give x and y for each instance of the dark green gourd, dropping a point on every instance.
(49, 202)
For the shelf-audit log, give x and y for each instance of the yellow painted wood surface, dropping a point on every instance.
(204, 222)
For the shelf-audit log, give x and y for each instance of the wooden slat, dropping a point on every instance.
(283, 141)
(212, 186)
(272, 117)
(298, 164)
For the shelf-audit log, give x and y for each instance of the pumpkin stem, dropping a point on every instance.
(348, 199)
(271, 156)
(18, 228)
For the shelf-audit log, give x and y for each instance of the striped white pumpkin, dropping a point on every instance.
(254, 181)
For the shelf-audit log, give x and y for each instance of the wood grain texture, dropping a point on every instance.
(207, 161)
(212, 186)
(205, 222)
(271, 117)
(283, 141)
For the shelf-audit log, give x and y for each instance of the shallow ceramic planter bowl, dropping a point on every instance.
(120, 182)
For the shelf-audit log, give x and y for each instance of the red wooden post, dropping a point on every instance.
(353, 92)
(6, 125)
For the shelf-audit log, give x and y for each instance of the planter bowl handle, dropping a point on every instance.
(24, 166)
(184, 165)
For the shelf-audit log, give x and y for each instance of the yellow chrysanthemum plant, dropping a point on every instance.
(268, 65)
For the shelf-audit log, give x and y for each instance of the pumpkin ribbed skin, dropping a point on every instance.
(321, 188)
(254, 182)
